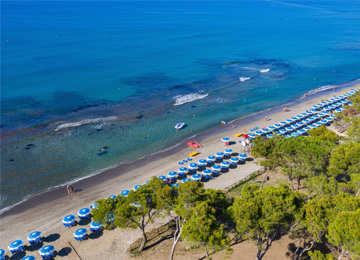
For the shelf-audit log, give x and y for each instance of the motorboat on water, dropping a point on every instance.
(179, 125)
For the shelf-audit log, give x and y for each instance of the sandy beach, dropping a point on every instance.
(46, 211)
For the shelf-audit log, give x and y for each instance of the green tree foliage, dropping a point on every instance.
(324, 134)
(139, 208)
(202, 229)
(323, 185)
(317, 255)
(344, 232)
(345, 159)
(302, 157)
(103, 209)
(320, 212)
(354, 130)
(263, 214)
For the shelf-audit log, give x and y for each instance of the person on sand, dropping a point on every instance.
(233, 126)
(223, 122)
(71, 189)
(266, 118)
(68, 189)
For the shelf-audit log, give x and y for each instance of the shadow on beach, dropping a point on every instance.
(52, 237)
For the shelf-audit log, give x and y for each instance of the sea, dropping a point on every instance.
(89, 85)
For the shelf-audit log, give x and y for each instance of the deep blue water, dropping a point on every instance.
(120, 73)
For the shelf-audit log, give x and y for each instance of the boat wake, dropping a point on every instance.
(264, 70)
(87, 121)
(182, 99)
(244, 78)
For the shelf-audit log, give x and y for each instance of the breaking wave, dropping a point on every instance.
(244, 78)
(87, 121)
(264, 70)
(182, 99)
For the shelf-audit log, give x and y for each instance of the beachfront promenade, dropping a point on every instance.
(47, 216)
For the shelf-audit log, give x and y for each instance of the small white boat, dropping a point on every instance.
(179, 125)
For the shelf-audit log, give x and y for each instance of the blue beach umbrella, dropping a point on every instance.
(323, 121)
(242, 156)
(342, 108)
(252, 136)
(277, 132)
(125, 193)
(272, 128)
(225, 164)
(269, 136)
(294, 119)
(318, 124)
(34, 237)
(315, 107)
(94, 206)
(299, 117)
(321, 114)
(172, 174)
(211, 158)
(225, 139)
(295, 134)
(313, 126)
(2, 254)
(96, 225)
(234, 160)
(314, 111)
(301, 131)
(147, 182)
(289, 121)
(282, 131)
(288, 135)
(228, 151)
(332, 117)
(112, 197)
(283, 123)
(84, 213)
(265, 130)
(162, 177)
(219, 154)
(193, 166)
(202, 162)
(29, 257)
(185, 180)
(69, 220)
(216, 167)
(80, 234)
(47, 251)
(109, 218)
(350, 104)
(316, 116)
(338, 110)
(306, 128)
(304, 114)
(207, 172)
(175, 185)
(295, 126)
(183, 170)
(16, 246)
(309, 113)
(259, 132)
(181, 174)
(289, 128)
(136, 187)
(328, 119)
(300, 124)
(196, 177)
(277, 126)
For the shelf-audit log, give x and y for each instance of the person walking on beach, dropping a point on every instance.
(71, 189)
(68, 189)
(266, 118)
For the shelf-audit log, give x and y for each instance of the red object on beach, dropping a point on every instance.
(193, 144)
(245, 136)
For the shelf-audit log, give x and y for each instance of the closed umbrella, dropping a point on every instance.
(69, 220)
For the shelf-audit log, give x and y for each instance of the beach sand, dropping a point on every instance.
(46, 211)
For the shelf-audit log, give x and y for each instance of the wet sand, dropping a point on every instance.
(44, 212)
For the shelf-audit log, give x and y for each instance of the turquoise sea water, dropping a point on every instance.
(77, 76)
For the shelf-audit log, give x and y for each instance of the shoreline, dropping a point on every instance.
(111, 171)
(45, 211)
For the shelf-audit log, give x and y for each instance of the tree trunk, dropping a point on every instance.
(298, 184)
(207, 254)
(306, 249)
(141, 248)
(176, 237)
(263, 180)
(341, 255)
